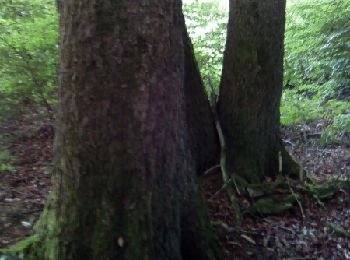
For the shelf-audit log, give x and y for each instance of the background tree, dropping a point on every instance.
(315, 65)
(251, 88)
(124, 176)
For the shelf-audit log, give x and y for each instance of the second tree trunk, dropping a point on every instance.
(251, 88)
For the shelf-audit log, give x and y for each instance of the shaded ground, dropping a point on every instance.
(23, 190)
(289, 236)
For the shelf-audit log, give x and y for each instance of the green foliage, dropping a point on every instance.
(5, 161)
(302, 105)
(296, 108)
(206, 23)
(318, 43)
(18, 250)
(274, 205)
(334, 132)
(28, 55)
(317, 65)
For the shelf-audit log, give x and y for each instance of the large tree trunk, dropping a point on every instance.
(200, 120)
(251, 87)
(205, 151)
(124, 176)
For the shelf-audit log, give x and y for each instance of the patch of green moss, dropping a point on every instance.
(20, 248)
(321, 191)
(274, 205)
(338, 230)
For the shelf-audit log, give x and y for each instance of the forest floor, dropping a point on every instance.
(312, 230)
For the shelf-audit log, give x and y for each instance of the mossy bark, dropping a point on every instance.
(124, 178)
(251, 88)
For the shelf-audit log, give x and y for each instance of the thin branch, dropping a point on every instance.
(223, 165)
(212, 169)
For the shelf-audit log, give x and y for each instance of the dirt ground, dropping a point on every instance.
(307, 231)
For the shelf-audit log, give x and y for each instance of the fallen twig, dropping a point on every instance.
(212, 170)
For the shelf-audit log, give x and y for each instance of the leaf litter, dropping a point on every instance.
(319, 231)
(322, 233)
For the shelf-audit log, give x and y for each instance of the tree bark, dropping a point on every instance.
(251, 88)
(200, 120)
(198, 241)
(124, 176)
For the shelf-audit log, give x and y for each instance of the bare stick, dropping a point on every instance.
(225, 175)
